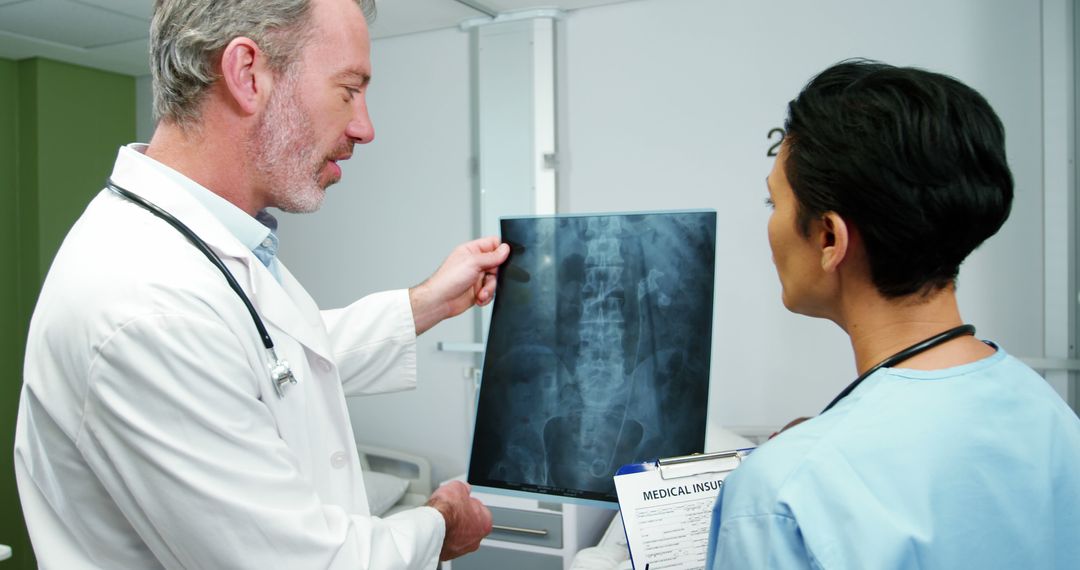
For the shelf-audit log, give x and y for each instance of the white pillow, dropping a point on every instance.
(606, 557)
(383, 490)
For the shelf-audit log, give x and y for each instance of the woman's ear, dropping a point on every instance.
(244, 74)
(834, 240)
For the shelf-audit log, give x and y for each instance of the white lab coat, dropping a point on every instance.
(149, 434)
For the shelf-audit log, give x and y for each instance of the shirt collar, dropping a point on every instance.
(252, 232)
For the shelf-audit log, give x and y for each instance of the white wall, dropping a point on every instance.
(669, 104)
(144, 109)
(1074, 395)
(666, 104)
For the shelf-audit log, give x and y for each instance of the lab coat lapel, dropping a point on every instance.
(288, 307)
(168, 195)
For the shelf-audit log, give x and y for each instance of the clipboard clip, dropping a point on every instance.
(686, 465)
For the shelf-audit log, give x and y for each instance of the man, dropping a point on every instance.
(951, 455)
(155, 427)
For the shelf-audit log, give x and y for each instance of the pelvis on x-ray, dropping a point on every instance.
(598, 350)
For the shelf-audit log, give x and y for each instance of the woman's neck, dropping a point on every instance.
(880, 327)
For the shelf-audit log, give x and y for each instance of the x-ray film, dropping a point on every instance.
(598, 350)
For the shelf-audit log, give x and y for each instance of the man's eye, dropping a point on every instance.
(770, 203)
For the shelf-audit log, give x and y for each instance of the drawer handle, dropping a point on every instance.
(519, 530)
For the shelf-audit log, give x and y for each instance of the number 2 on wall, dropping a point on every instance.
(775, 148)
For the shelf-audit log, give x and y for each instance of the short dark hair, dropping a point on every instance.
(914, 160)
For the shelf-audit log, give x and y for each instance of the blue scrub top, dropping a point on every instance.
(976, 466)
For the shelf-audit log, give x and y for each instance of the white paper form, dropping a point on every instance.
(666, 508)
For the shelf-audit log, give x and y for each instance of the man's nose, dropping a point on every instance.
(360, 128)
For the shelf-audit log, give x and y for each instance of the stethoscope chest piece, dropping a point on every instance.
(280, 374)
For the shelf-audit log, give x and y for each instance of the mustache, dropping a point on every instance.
(345, 149)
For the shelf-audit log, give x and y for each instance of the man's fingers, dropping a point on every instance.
(486, 290)
(468, 521)
(495, 257)
(486, 243)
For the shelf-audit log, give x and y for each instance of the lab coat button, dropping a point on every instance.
(339, 460)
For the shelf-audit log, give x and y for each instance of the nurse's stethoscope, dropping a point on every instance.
(280, 373)
(903, 355)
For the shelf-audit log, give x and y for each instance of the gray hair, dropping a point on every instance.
(186, 36)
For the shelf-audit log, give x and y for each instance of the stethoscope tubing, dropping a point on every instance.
(201, 246)
(280, 373)
(921, 346)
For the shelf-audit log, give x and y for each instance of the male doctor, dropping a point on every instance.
(150, 432)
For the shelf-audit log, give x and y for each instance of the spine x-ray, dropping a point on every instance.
(598, 350)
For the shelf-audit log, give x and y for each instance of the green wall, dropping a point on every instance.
(60, 127)
(12, 532)
(11, 339)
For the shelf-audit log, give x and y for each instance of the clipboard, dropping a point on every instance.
(666, 507)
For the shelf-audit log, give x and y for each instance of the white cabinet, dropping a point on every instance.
(533, 535)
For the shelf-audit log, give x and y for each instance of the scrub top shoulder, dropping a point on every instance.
(975, 466)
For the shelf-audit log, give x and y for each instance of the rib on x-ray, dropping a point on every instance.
(598, 350)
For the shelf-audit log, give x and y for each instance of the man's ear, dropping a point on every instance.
(835, 239)
(245, 75)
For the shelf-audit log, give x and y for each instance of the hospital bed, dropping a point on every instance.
(395, 480)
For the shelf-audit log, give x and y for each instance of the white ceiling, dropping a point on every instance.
(112, 34)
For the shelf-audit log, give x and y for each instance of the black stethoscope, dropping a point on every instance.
(280, 373)
(903, 355)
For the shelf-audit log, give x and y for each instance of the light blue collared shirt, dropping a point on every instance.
(257, 234)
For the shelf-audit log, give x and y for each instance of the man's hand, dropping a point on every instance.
(466, 278)
(467, 520)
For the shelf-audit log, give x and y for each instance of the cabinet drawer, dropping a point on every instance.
(526, 527)
(491, 558)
